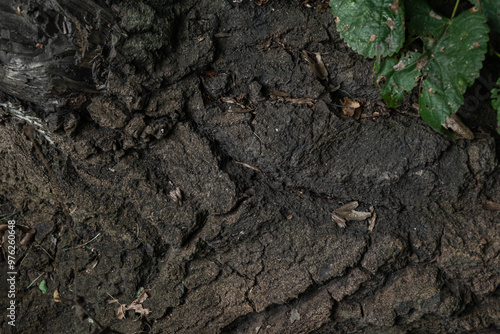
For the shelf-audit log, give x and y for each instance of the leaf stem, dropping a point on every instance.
(455, 9)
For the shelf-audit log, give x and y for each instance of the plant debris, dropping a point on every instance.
(257, 169)
(454, 124)
(317, 66)
(136, 305)
(350, 107)
(371, 225)
(57, 296)
(490, 205)
(176, 195)
(90, 266)
(286, 97)
(346, 212)
(238, 104)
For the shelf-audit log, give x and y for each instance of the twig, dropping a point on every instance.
(84, 244)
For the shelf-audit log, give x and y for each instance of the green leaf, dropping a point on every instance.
(397, 76)
(43, 286)
(495, 103)
(370, 27)
(454, 64)
(423, 21)
(491, 9)
(450, 62)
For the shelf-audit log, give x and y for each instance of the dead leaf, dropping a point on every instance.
(294, 315)
(346, 212)
(240, 104)
(142, 296)
(286, 97)
(371, 226)
(454, 123)
(120, 312)
(139, 309)
(348, 206)
(341, 222)
(349, 106)
(91, 265)
(317, 66)
(490, 205)
(278, 93)
(136, 305)
(373, 37)
(57, 296)
(175, 195)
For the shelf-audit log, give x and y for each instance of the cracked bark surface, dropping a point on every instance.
(126, 106)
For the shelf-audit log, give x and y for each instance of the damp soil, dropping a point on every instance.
(188, 148)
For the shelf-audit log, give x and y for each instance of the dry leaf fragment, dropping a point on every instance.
(136, 305)
(286, 97)
(371, 226)
(142, 296)
(91, 265)
(294, 315)
(490, 205)
(175, 195)
(278, 93)
(348, 207)
(317, 67)
(300, 100)
(321, 66)
(120, 312)
(349, 106)
(346, 212)
(341, 222)
(357, 215)
(57, 296)
(454, 123)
